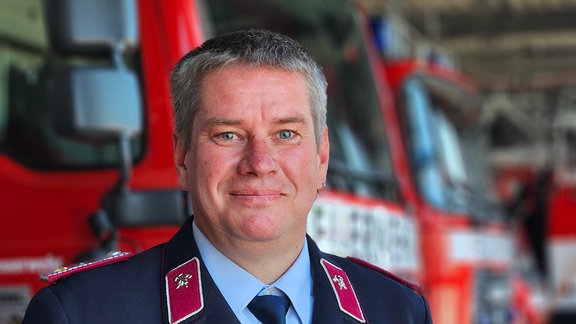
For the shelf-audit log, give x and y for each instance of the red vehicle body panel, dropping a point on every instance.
(449, 283)
(168, 29)
(562, 205)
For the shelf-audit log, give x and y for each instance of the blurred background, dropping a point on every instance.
(452, 127)
(521, 56)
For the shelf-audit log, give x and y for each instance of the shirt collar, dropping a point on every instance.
(296, 283)
(238, 286)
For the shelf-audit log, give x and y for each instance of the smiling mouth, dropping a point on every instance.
(256, 194)
(258, 197)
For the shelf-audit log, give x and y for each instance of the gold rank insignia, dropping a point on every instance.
(63, 272)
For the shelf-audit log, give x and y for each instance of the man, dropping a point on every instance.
(251, 147)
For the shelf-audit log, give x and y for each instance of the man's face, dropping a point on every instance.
(253, 167)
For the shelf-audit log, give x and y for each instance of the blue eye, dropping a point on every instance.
(286, 134)
(227, 136)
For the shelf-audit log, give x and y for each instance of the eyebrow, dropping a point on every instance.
(290, 120)
(216, 121)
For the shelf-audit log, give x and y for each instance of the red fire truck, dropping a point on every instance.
(535, 161)
(439, 152)
(86, 163)
(542, 191)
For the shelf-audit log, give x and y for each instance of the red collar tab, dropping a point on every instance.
(64, 272)
(184, 291)
(414, 287)
(344, 291)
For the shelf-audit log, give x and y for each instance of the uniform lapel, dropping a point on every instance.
(190, 295)
(331, 305)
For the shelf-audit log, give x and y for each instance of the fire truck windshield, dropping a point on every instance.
(447, 150)
(359, 161)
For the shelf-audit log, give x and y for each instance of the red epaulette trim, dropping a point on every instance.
(414, 287)
(64, 272)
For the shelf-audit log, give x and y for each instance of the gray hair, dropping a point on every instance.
(250, 47)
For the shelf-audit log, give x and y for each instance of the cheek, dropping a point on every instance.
(302, 166)
(211, 165)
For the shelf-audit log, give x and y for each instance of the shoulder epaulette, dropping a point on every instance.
(414, 287)
(64, 272)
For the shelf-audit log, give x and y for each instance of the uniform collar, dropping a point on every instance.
(239, 287)
(181, 256)
(181, 253)
(332, 303)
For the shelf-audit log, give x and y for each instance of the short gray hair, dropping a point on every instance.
(250, 47)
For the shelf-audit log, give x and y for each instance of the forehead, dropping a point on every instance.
(240, 90)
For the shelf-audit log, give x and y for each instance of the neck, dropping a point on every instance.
(265, 260)
(267, 263)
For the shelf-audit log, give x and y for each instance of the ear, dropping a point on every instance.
(323, 159)
(180, 153)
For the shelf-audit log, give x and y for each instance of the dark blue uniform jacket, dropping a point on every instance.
(135, 291)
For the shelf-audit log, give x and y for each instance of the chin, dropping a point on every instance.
(262, 228)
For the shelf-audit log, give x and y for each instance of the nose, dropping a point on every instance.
(258, 158)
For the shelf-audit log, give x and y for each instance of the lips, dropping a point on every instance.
(256, 202)
(256, 196)
(257, 193)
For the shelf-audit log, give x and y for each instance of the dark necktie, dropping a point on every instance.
(270, 309)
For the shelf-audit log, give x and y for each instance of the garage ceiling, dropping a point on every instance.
(502, 44)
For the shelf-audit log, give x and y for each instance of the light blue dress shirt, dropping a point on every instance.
(238, 286)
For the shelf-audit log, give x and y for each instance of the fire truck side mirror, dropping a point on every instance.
(89, 27)
(96, 103)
